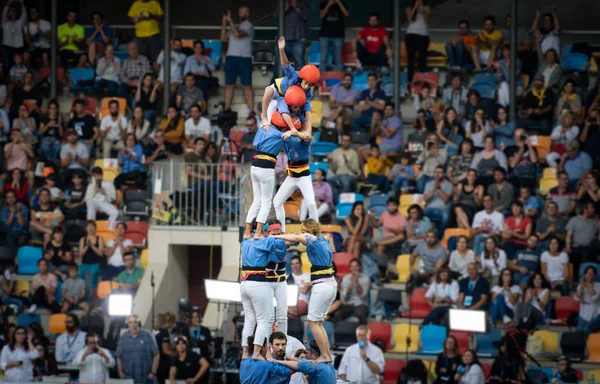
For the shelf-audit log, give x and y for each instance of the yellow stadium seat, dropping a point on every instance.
(525, 80)
(550, 341)
(331, 228)
(144, 258)
(549, 173)
(293, 228)
(454, 232)
(57, 324)
(105, 288)
(104, 232)
(546, 185)
(105, 102)
(187, 43)
(403, 267)
(305, 263)
(110, 168)
(542, 146)
(438, 60)
(316, 113)
(23, 288)
(407, 200)
(595, 374)
(593, 345)
(400, 331)
(292, 209)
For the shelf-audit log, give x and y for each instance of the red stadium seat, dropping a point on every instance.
(421, 78)
(330, 80)
(381, 331)
(392, 370)
(137, 232)
(487, 369)
(462, 338)
(89, 105)
(564, 306)
(348, 57)
(419, 307)
(342, 263)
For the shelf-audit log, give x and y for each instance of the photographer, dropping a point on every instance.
(522, 161)
(564, 373)
(93, 361)
(431, 157)
(507, 364)
(17, 357)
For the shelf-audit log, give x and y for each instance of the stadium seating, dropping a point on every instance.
(572, 345)
(105, 288)
(344, 207)
(485, 343)
(110, 168)
(345, 333)
(342, 263)
(348, 57)
(328, 329)
(401, 331)
(314, 54)
(487, 369)
(390, 296)
(583, 267)
(393, 368)
(83, 80)
(381, 331)
(24, 319)
(540, 374)
(27, 259)
(360, 81)
(316, 113)
(485, 90)
(320, 149)
(137, 232)
(331, 228)
(104, 103)
(542, 146)
(57, 323)
(454, 232)
(292, 210)
(316, 165)
(216, 50)
(144, 258)
(102, 230)
(403, 268)
(564, 306)
(593, 347)
(546, 185)
(462, 339)
(432, 339)
(419, 308)
(328, 81)
(137, 203)
(575, 62)
(407, 200)
(550, 341)
(421, 78)
(485, 78)
(7, 256)
(23, 288)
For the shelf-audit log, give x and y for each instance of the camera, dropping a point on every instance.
(523, 137)
(96, 349)
(430, 144)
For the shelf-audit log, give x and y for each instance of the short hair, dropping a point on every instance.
(128, 254)
(123, 224)
(43, 190)
(592, 268)
(390, 104)
(195, 105)
(348, 74)
(440, 167)
(551, 202)
(189, 74)
(97, 13)
(74, 318)
(42, 260)
(500, 169)
(277, 336)
(375, 146)
(573, 144)
(79, 102)
(392, 199)
(431, 230)
(355, 260)
(375, 14)
(464, 22)
(426, 86)
(296, 258)
(112, 102)
(73, 266)
(97, 171)
(489, 18)
(372, 74)
(199, 139)
(363, 328)
(251, 118)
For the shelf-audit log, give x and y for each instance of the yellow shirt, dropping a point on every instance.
(485, 38)
(64, 32)
(377, 166)
(146, 27)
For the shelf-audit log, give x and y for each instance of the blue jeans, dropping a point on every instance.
(400, 181)
(588, 326)
(455, 54)
(437, 316)
(338, 46)
(521, 279)
(479, 243)
(93, 271)
(441, 215)
(346, 183)
(295, 51)
(361, 122)
(422, 182)
(111, 86)
(50, 147)
(499, 309)
(380, 181)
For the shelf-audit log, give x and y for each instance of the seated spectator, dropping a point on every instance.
(17, 155)
(492, 260)
(28, 94)
(93, 361)
(569, 100)
(574, 162)
(547, 32)
(91, 251)
(486, 223)
(108, 73)
(343, 167)
(566, 131)
(131, 277)
(44, 218)
(43, 286)
(146, 96)
(173, 126)
(70, 343)
(538, 105)
(478, 127)
(517, 229)
(590, 136)
(74, 205)
(371, 100)
(133, 70)
(467, 199)
(455, 96)
(18, 355)
(14, 221)
(138, 125)
(84, 125)
(177, 60)
(432, 257)
(589, 190)
(51, 131)
(588, 294)
(362, 362)
(389, 128)
(564, 373)
(112, 129)
(447, 130)
(447, 362)
(530, 203)
(73, 293)
(38, 34)
(551, 224)
(10, 297)
(131, 160)
(505, 296)
(555, 267)
(393, 225)
(522, 160)
(97, 37)
(157, 150)
(535, 301)
(58, 253)
(323, 196)
(460, 258)
(502, 192)
(116, 249)
(402, 174)
(15, 183)
(474, 291)
(342, 100)
(441, 295)
(359, 229)
(302, 280)
(196, 126)
(421, 124)
(376, 167)
(70, 40)
(100, 196)
(436, 195)
(354, 294)
(425, 101)
(201, 67)
(564, 196)
(506, 368)
(188, 95)
(526, 262)
(429, 159)
(417, 225)
(188, 366)
(487, 44)
(17, 71)
(582, 233)
(503, 73)
(473, 99)
(458, 50)
(460, 163)
(503, 130)
(26, 125)
(56, 194)
(376, 49)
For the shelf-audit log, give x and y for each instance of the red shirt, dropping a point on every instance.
(373, 38)
(520, 229)
(21, 194)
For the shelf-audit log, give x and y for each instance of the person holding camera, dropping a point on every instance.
(93, 361)
(431, 157)
(17, 357)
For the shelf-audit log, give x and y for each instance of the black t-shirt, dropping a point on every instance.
(56, 260)
(76, 195)
(151, 148)
(145, 102)
(163, 336)
(20, 95)
(532, 101)
(201, 339)
(333, 24)
(52, 128)
(84, 126)
(189, 367)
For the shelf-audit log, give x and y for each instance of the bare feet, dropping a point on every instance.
(257, 357)
(247, 235)
(259, 234)
(322, 359)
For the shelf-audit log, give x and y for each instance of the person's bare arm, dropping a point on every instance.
(282, 56)
(555, 17)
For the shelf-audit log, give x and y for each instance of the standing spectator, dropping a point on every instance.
(362, 362)
(38, 34)
(493, 259)
(590, 136)
(551, 224)
(73, 293)
(44, 218)
(582, 232)
(133, 70)
(51, 131)
(517, 229)
(188, 366)
(200, 66)
(69, 344)
(112, 129)
(487, 43)
(188, 95)
(343, 167)
(116, 249)
(535, 301)
(29, 94)
(239, 56)
(200, 338)
(548, 33)
(437, 194)
(447, 362)
(432, 258)
(588, 294)
(538, 106)
(93, 361)
(474, 290)
(247, 144)
(333, 14)
(43, 286)
(323, 196)
(166, 347)
(354, 294)
(389, 128)
(460, 258)
(565, 132)
(131, 161)
(487, 222)
(97, 37)
(13, 23)
(302, 280)
(70, 38)
(18, 356)
(429, 159)
(458, 50)
(371, 100)
(146, 14)
(137, 353)
(502, 191)
(505, 296)
(525, 47)
(555, 267)
(472, 372)
(100, 196)
(417, 35)
(85, 126)
(108, 73)
(74, 157)
(14, 221)
(177, 59)
(441, 295)
(523, 161)
(376, 49)
(131, 277)
(296, 15)
(91, 251)
(393, 225)
(146, 96)
(342, 100)
(526, 262)
(468, 197)
(359, 229)
(455, 96)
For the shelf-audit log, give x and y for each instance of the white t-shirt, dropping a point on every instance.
(117, 258)
(443, 290)
(555, 265)
(494, 221)
(80, 151)
(536, 300)
(488, 263)
(550, 40)
(114, 133)
(515, 289)
(300, 280)
(203, 127)
(37, 40)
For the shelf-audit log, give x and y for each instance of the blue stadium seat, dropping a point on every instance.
(488, 78)
(25, 319)
(432, 339)
(387, 84)
(568, 49)
(342, 210)
(378, 199)
(575, 62)
(350, 197)
(486, 90)
(314, 53)
(321, 149)
(27, 258)
(583, 266)
(315, 165)
(485, 343)
(360, 81)
(122, 55)
(216, 50)
(82, 78)
(328, 329)
(540, 374)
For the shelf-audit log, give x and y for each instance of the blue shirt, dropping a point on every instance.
(575, 167)
(130, 165)
(258, 253)
(531, 204)
(528, 259)
(192, 66)
(297, 149)
(283, 108)
(504, 134)
(323, 373)
(319, 252)
(137, 354)
(15, 226)
(367, 95)
(261, 371)
(268, 141)
(89, 31)
(291, 78)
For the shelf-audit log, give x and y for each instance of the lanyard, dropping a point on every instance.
(472, 285)
(195, 334)
(70, 343)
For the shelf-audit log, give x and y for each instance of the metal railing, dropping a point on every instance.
(199, 195)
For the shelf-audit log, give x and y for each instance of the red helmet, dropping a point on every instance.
(295, 96)
(277, 120)
(310, 73)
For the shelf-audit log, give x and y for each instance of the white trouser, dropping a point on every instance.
(552, 159)
(281, 315)
(321, 298)
(263, 184)
(272, 107)
(285, 191)
(257, 301)
(94, 206)
(322, 209)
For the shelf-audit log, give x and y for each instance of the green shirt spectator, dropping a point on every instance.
(129, 280)
(70, 35)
